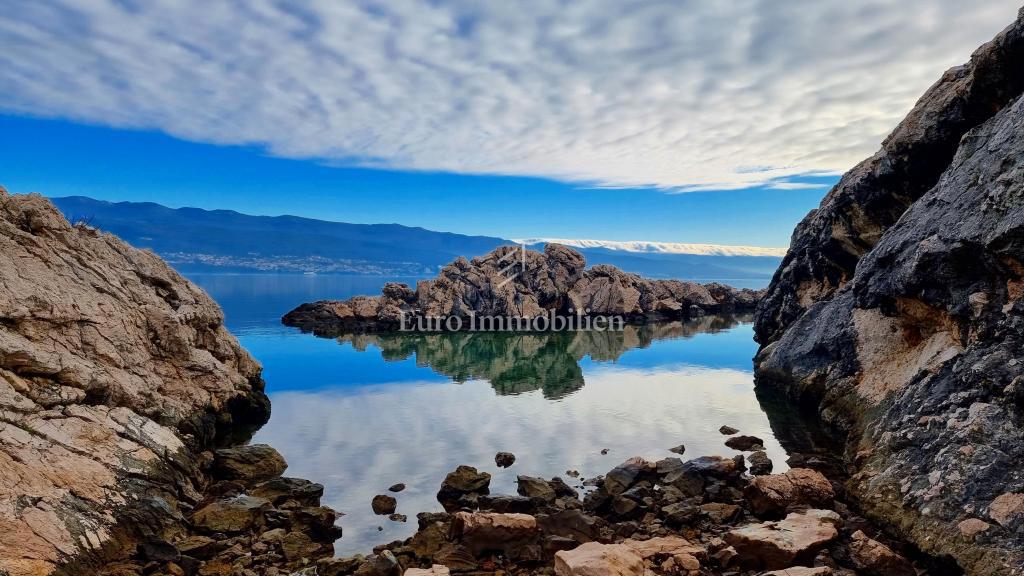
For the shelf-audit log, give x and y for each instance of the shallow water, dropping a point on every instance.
(362, 412)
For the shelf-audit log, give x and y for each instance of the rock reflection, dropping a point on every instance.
(515, 362)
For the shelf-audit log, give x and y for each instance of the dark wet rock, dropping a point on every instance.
(760, 464)
(536, 489)
(604, 451)
(507, 503)
(383, 564)
(383, 504)
(280, 490)
(716, 466)
(622, 477)
(562, 489)
(397, 517)
(463, 481)
(898, 315)
(237, 514)
(574, 524)
(248, 464)
(158, 551)
(504, 459)
(728, 430)
(745, 443)
(396, 487)
(681, 449)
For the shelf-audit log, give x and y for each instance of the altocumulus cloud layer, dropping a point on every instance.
(674, 94)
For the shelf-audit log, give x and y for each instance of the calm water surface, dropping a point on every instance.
(360, 413)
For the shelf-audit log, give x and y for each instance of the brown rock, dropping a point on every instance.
(504, 459)
(972, 527)
(248, 464)
(480, 531)
(108, 358)
(745, 443)
(777, 493)
(1007, 509)
(383, 504)
(728, 430)
(237, 514)
(460, 482)
(775, 545)
(760, 464)
(595, 559)
(535, 489)
(876, 559)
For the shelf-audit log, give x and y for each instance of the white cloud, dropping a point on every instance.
(648, 247)
(691, 95)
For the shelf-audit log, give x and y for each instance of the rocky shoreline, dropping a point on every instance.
(514, 283)
(897, 317)
(697, 517)
(118, 382)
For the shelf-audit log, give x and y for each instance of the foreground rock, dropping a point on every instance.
(670, 517)
(898, 313)
(512, 283)
(115, 374)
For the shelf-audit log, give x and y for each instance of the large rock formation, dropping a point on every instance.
(897, 315)
(512, 282)
(114, 373)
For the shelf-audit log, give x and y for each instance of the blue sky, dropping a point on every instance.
(651, 120)
(60, 158)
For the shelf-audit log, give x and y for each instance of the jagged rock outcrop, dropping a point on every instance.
(512, 282)
(115, 373)
(898, 316)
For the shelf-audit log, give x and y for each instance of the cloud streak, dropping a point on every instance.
(681, 95)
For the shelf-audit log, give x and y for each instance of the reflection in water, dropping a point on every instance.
(523, 362)
(358, 421)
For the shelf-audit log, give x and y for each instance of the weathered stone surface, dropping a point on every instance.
(760, 464)
(479, 531)
(504, 459)
(535, 488)
(460, 482)
(595, 559)
(555, 281)
(248, 464)
(745, 443)
(898, 313)
(774, 545)
(114, 372)
(236, 514)
(876, 559)
(1007, 509)
(382, 504)
(777, 493)
(280, 490)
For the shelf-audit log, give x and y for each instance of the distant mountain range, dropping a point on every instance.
(196, 240)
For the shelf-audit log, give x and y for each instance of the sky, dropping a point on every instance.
(659, 121)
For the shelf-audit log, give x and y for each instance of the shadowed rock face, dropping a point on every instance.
(114, 372)
(898, 316)
(512, 282)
